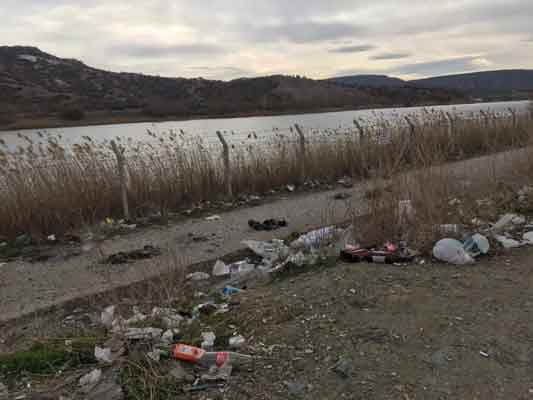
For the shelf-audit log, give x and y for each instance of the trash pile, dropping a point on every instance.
(267, 225)
(158, 335)
(389, 253)
(510, 231)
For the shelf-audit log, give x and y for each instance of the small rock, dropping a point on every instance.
(91, 378)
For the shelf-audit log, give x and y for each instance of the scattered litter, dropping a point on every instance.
(236, 342)
(507, 243)
(316, 238)
(452, 251)
(125, 257)
(221, 269)
(506, 220)
(171, 318)
(51, 238)
(270, 251)
(528, 237)
(143, 333)
(241, 268)
(91, 378)
(388, 254)
(168, 336)
(213, 218)
(230, 290)
(102, 354)
(482, 353)
(198, 276)
(476, 245)
(107, 316)
(208, 340)
(207, 359)
(138, 316)
(267, 225)
(291, 188)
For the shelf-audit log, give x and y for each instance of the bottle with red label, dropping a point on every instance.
(209, 358)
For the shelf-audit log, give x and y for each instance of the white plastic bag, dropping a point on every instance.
(451, 251)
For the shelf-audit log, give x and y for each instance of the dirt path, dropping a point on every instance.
(428, 331)
(25, 288)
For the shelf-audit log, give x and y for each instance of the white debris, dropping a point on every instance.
(209, 340)
(476, 245)
(143, 333)
(507, 243)
(198, 276)
(291, 188)
(213, 218)
(271, 251)
(449, 229)
(451, 251)
(316, 238)
(170, 317)
(528, 237)
(91, 378)
(138, 316)
(168, 336)
(236, 342)
(51, 238)
(103, 354)
(241, 268)
(508, 219)
(221, 269)
(108, 316)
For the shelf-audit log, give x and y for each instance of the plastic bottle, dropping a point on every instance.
(209, 358)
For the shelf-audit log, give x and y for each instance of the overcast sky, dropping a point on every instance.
(225, 39)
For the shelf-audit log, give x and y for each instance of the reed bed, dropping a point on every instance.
(50, 188)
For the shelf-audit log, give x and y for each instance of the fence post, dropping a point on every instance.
(485, 115)
(302, 152)
(121, 163)
(513, 114)
(227, 166)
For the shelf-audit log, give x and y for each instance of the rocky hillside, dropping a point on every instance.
(35, 85)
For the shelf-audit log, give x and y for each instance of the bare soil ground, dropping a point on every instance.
(418, 332)
(430, 331)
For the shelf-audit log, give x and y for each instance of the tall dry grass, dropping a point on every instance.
(48, 188)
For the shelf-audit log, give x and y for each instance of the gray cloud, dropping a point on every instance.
(154, 50)
(353, 48)
(304, 32)
(390, 56)
(440, 67)
(308, 37)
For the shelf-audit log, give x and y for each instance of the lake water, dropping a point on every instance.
(264, 127)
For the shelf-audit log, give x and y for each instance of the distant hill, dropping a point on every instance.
(37, 87)
(379, 81)
(504, 81)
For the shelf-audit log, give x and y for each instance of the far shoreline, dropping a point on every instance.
(101, 120)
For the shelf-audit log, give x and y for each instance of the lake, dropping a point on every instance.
(238, 128)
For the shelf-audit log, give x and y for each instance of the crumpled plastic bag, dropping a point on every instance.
(452, 252)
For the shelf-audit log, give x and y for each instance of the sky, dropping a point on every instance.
(228, 39)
